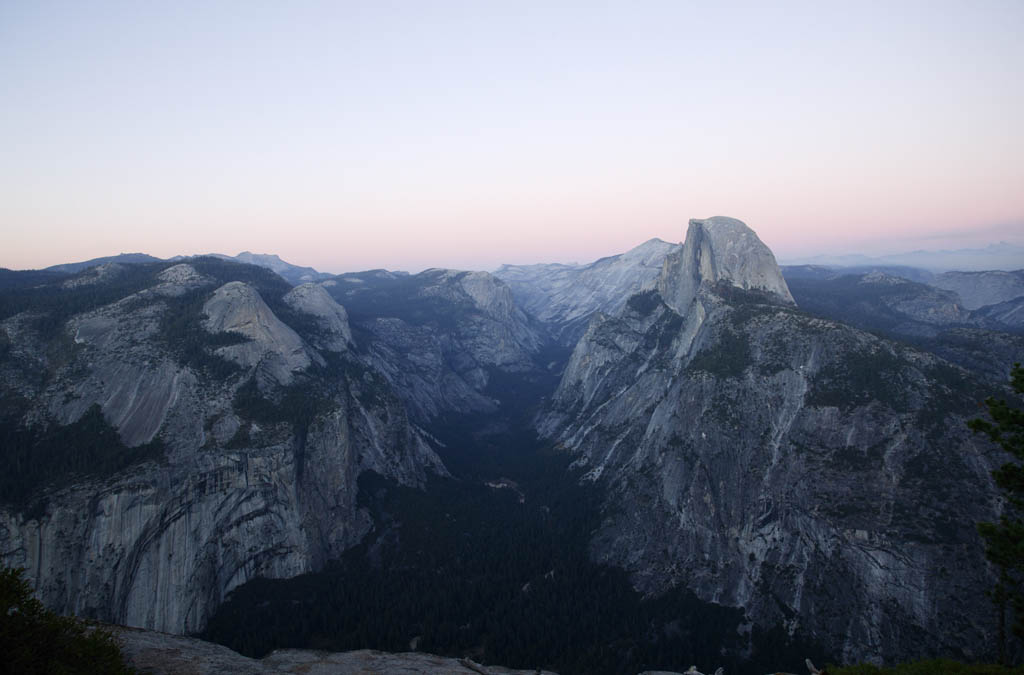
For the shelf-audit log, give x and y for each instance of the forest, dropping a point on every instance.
(493, 564)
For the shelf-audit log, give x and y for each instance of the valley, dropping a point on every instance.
(682, 454)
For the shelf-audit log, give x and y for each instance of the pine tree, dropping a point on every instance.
(35, 640)
(1004, 541)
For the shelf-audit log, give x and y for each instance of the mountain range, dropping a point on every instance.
(684, 451)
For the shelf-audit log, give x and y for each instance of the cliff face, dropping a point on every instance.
(262, 440)
(564, 297)
(816, 475)
(719, 250)
(440, 336)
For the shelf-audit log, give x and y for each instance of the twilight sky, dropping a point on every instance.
(405, 135)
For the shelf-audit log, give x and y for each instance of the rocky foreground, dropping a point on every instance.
(166, 654)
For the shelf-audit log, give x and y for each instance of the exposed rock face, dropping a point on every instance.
(439, 335)
(138, 389)
(160, 544)
(171, 654)
(717, 250)
(180, 279)
(565, 296)
(818, 476)
(96, 275)
(978, 289)
(336, 336)
(277, 349)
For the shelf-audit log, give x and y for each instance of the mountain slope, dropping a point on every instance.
(919, 314)
(122, 258)
(978, 289)
(293, 274)
(236, 443)
(565, 296)
(441, 337)
(816, 475)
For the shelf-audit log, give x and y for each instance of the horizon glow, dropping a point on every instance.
(349, 136)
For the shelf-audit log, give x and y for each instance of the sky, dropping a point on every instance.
(406, 135)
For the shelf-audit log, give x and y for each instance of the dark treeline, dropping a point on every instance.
(53, 455)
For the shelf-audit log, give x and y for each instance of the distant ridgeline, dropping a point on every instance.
(678, 455)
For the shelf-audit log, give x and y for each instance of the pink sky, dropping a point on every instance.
(409, 135)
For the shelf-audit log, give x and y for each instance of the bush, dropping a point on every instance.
(36, 640)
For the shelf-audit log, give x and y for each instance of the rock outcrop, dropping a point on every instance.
(720, 250)
(272, 345)
(161, 653)
(818, 476)
(256, 479)
(335, 334)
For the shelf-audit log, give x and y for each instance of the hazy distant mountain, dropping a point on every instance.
(20, 278)
(929, 316)
(978, 289)
(293, 274)
(827, 272)
(74, 268)
(1001, 256)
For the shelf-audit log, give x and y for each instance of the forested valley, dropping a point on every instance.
(493, 564)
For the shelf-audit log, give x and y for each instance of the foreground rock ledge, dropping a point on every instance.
(166, 654)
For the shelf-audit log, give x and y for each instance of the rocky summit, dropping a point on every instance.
(719, 250)
(816, 475)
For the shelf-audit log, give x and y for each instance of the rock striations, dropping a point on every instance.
(564, 297)
(261, 452)
(800, 467)
(813, 474)
(719, 250)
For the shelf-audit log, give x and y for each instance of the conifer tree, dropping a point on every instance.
(1004, 540)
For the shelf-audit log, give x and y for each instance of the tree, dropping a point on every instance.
(1004, 541)
(35, 640)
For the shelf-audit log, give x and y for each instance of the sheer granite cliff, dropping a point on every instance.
(263, 435)
(816, 475)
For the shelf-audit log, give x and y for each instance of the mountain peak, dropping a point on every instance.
(720, 249)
